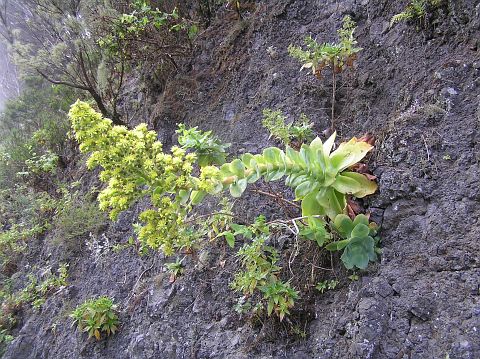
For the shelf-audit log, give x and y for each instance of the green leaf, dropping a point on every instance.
(274, 175)
(349, 153)
(273, 155)
(310, 205)
(305, 188)
(183, 195)
(332, 201)
(362, 219)
(359, 252)
(347, 185)
(365, 186)
(270, 307)
(360, 230)
(293, 156)
(315, 231)
(328, 145)
(344, 225)
(237, 188)
(203, 160)
(316, 143)
(337, 246)
(230, 238)
(197, 196)
(237, 168)
(297, 180)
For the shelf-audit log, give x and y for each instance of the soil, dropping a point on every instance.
(417, 89)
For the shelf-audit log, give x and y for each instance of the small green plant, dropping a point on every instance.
(354, 277)
(5, 339)
(176, 269)
(261, 271)
(76, 216)
(96, 316)
(36, 292)
(415, 10)
(209, 149)
(326, 285)
(45, 163)
(314, 230)
(297, 132)
(359, 243)
(337, 56)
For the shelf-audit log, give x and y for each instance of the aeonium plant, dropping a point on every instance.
(136, 166)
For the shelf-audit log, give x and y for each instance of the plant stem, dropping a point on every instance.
(334, 86)
(276, 196)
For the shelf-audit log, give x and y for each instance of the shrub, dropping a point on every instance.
(24, 214)
(33, 129)
(415, 10)
(336, 56)
(150, 37)
(209, 149)
(261, 272)
(297, 132)
(96, 316)
(76, 216)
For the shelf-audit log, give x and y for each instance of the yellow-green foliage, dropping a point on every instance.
(134, 166)
(416, 9)
(299, 131)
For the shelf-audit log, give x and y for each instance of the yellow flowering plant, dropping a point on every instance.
(134, 166)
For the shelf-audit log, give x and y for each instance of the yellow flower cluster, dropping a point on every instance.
(134, 166)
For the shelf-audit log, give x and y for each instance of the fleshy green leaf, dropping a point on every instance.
(365, 186)
(360, 230)
(230, 238)
(349, 153)
(337, 246)
(358, 252)
(237, 188)
(237, 168)
(344, 225)
(197, 196)
(310, 205)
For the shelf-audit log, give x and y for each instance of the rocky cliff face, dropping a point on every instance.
(9, 85)
(417, 91)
